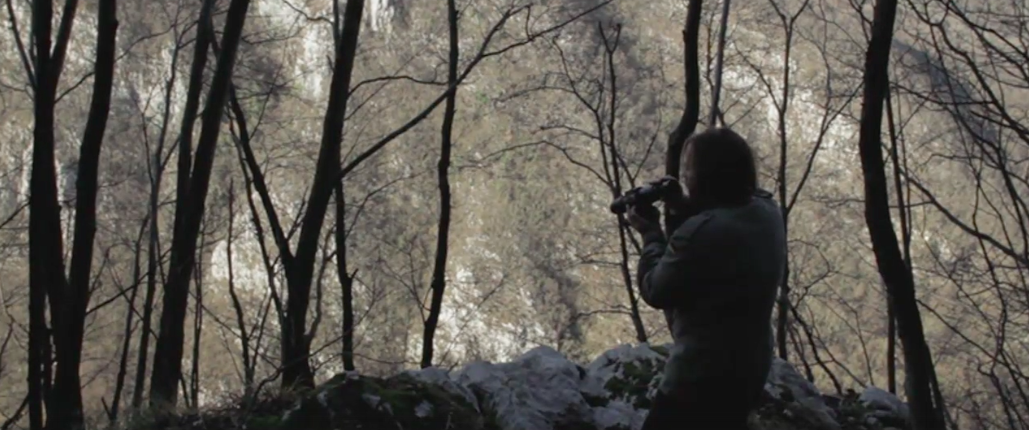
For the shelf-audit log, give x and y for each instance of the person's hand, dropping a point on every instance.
(644, 219)
(675, 198)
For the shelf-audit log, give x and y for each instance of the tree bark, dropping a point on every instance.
(68, 341)
(167, 370)
(691, 112)
(296, 371)
(153, 245)
(244, 337)
(439, 270)
(44, 242)
(68, 301)
(891, 313)
(346, 279)
(716, 92)
(123, 361)
(919, 371)
(198, 325)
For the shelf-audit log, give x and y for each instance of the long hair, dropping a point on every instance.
(723, 170)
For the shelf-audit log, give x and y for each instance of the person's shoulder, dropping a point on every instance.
(762, 209)
(694, 224)
(765, 199)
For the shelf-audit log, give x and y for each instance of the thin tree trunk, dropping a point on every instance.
(123, 361)
(42, 210)
(198, 323)
(201, 45)
(719, 58)
(919, 371)
(613, 173)
(195, 86)
(296, 370)
(346, 280)
(67, 383)
(153, 248)
(783, 318)
(46, 261)
(691, 112)
(891, 312)
(244, 338)
(167, 370)
(439, 270)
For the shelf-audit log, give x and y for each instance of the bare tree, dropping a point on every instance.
(919, 368)
(614, 158)
(167, 370)
(439, 271)
(716, 90)
(782, 90)
(68, 296)
(123, 362)
(299, 265)
(691, 113)
(244, 335)
(156, 163)
(971, 62)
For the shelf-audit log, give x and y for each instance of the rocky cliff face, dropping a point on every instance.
(542, 390)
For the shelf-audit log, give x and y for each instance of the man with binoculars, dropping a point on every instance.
(715, 276)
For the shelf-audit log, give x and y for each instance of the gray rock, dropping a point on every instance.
(802, 398)
(885, 407)
(537, 391)
(543, 390)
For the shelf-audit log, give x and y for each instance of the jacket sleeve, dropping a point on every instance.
(667, 266)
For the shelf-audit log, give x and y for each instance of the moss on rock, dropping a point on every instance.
(632, 382)
(353, 402)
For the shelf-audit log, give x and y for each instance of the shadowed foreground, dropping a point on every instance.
(541, 390)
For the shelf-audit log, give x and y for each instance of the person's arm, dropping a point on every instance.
(678, 211)
(665, 263)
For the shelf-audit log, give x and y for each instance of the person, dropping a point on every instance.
(716, 277)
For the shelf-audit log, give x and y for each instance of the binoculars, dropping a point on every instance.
(646, 194)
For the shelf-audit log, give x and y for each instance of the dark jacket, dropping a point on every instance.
(716, 278)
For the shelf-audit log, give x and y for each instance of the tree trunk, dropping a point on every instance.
(244, 337)
(691, 113)
(614, 176)
(43, 214)
(198, 323)
(195, 86)
(153, 249)
(46, 258)
(891, 312)
(346, 280)
(123, 361)
(719, 58)
(167, 370)
(439, 270)
(296, 371)
(783, 317)
(67, 384)
(919, 371)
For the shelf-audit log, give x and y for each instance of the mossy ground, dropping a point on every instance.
(263, 413)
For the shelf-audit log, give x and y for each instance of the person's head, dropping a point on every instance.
(718, 168)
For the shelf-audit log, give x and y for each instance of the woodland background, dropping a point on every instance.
(276, 176)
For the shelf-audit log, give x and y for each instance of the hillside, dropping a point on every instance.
(535, 259)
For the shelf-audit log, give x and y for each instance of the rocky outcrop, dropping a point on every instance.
(542, 390)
